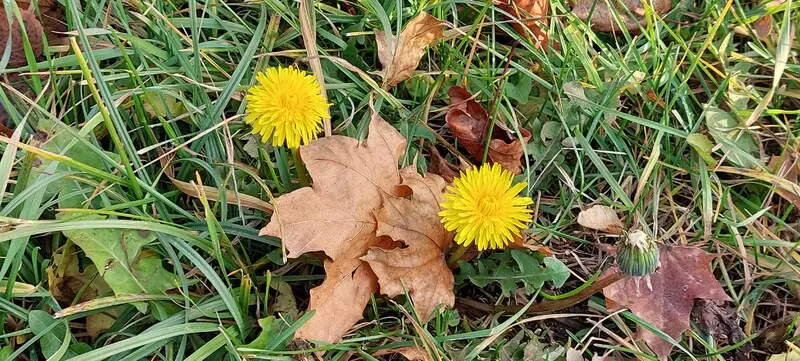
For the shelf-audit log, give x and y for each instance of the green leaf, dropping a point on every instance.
(269, 329)
(551, 131)
(39, 322)
(162, 104)
(519, 90)
(702, 145)
(118, 256)
(574, 91)
(6, 352)
(53, 333)
(515, 267)
(146, 275)
(737, 144)
(536, 274)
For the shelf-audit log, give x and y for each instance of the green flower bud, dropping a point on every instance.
(637, 255)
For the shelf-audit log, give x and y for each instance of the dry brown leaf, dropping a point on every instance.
(718, 319)
(66, 282)
(683, 276)
(336, 216)
(604, 20)
(412, 353)
(763, 26)
(601, 218)
(97, 323)
(788, 169)
(53, 18)
(419, 268)
(784, 185)
(400, 58)
(213, 194)
(529, 12)
(441, 167)
(34, 31)
(469, 122)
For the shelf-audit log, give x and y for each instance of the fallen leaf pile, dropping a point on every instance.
(683, 276)
(400, 57)
(470, 122)
(603, 19)
(360, 209)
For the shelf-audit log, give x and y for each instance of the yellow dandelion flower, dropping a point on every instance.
(287, 105)
(484, 208)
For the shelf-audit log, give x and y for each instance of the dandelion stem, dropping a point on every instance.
(456, 256)
(302, 172)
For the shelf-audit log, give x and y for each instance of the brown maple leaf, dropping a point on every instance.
(603, 18)
(336, 216)
(683, 276)
(400, 57)
(470, 122)
(419, 268)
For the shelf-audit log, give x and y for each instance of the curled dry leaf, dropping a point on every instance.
(763, 26)
(787, 168)
(603, 19)
(419, 268)
(683, 276)
(529, 12)
(441, 167)
(400, 58)
(336, 216)
(470, 122)
(601, 218)
(720, 320)
(213, 194)
(412, 353)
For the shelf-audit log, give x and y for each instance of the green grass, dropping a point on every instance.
(157, 89)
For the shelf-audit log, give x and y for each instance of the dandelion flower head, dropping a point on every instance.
(287, 105)
(484, 208)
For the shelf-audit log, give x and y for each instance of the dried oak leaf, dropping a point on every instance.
(603, 18)
(469, 122)
(34, 31)
(683, 276)
(529, 12)
(336, 216)
(400, 58)
(601, 218)
(419, 268)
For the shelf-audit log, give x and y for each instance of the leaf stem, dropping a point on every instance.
(548, 305)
